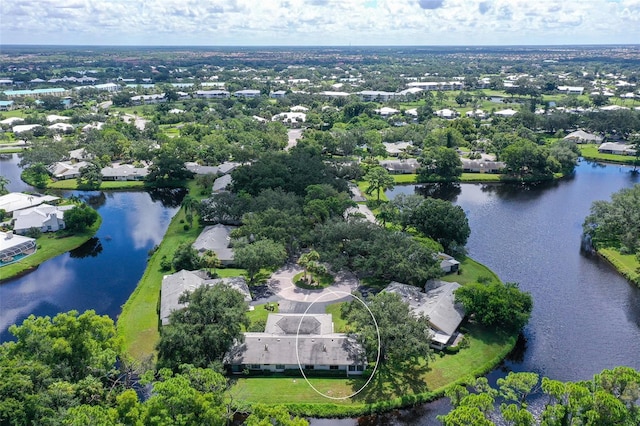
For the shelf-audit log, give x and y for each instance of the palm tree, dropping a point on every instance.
(3, 185)
(210, 261)
(308, 262)
(189, 204)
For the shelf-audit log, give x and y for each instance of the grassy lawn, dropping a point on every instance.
(590, 152)
(470, 272)
(73, 184)
(260, 313)
(626, 264)
(480, 177)
(405, 179)
(48, 247)
(363, 186)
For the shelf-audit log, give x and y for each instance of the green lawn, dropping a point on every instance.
(626, 264)
(470, 272)
(405, 179)
(49, 246)
(590, 152)
(105, 185)
(363, 186)
(480, 177)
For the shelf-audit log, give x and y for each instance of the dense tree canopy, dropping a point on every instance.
(404, 337)
(203, 331)
(439, 163)
(503, 306)
(616, 223)
(79, 218)
(442, 221)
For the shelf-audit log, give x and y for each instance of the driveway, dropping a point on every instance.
(294, 299)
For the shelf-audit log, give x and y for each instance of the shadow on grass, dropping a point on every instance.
(391, 381)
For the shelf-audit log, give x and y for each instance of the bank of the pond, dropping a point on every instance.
(626, 264)
(49, 246)
(138, 323)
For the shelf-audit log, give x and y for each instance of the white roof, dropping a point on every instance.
(52, 118)
(506, 112)
(299, 108)
(12, 120)
(61, 126)
(18, 201)
(24, 128)
(387, 111)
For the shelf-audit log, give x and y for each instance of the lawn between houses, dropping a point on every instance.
(49, 246)
(138, 324)
(390, 388)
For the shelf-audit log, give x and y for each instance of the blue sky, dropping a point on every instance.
(319, 22)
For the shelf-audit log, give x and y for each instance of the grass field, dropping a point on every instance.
(590, 152)
(49, 246)
(105, 185)
(626, 264)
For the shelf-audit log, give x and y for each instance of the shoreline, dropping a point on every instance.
(33, 261)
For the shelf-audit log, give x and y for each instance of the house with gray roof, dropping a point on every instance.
(580, 136)
(174, 286)
(124, 172)
(222, 184)
(438, 304)
(44, 217)
(616, 148)
(216, 238)
(408, 166)
(294, 341)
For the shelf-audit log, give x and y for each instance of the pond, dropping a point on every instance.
(103, 272)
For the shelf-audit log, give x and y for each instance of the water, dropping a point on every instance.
(586, 317)
(102, 273)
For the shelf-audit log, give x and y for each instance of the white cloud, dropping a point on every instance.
(317, 22)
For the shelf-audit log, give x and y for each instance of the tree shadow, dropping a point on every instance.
(391, 381)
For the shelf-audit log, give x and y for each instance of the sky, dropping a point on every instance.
(319, 22)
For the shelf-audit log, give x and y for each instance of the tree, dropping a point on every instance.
(270, 415)
(308, 261)
(495, 304)
(616, 223)
(201, 333)
(258, 255)
(443, 222)
(79, 218)
(439, 163)
(186, 257)
(404, 337)
(210, 260)
(524, 157)
(167, 169)
(193, 397)
(378, 179)
(3, 185)
(90, 176)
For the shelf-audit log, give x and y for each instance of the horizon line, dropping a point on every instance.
(318, 45)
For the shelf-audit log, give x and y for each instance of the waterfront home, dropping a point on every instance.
(294, 341)
(124, 172)
(66, 169)
(16, 201)
(45, 218)
(448, 264)
(408, 166)
(438, 304)
(14, 247)
(175, 285)
(616, 148)
(481, 166)
(216, 238)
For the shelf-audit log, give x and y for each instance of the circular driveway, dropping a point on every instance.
(281, 284)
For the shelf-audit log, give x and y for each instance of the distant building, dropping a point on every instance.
(247, 93)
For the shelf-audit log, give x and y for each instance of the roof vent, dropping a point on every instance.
(266, 347)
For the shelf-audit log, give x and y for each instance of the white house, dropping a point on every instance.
(386, 111)
(44, 217)
(290, 118)
(24, 127)
(506, 112)
(66, 169)
(212, 94)
(396, 148)
(616, 148)
(580, 136)
(14, 247)
(16, 201)
(124, 172)
(446, 113)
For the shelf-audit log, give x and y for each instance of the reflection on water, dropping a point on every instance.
(99, 275)
(586, 317)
